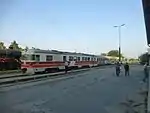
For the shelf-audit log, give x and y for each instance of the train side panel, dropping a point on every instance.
(46, 62)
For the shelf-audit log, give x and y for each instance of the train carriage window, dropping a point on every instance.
(70, 58)
(37, 57)
(78, 58)
(88, 58)
(64, 58)
(75, 58)
(26, 57)
(49, 58)
(32, 57)
(82, 58)
(97, 59)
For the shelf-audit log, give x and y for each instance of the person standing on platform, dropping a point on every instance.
(146, 72)
(118, 68)
(126, 68)
(66, 66)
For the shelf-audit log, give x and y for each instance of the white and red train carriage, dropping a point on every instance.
(35, 60)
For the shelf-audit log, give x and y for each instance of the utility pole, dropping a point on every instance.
(119, 31)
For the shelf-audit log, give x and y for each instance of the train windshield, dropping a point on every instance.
(30, 57)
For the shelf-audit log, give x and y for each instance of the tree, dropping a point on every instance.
(14, 45)
(131, 59)
(26, 48)
(114, 53)
(144, 58)
(33, 48)
(2, 46)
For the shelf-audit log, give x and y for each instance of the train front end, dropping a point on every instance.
(26, 65)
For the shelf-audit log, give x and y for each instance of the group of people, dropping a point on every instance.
(118, 69)
(126, 68)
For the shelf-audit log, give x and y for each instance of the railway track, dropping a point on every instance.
(18, 78)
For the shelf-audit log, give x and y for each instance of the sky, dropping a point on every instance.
(74, 25)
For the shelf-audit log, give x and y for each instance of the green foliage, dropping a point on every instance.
(143, 58)
(26, 48)
(2, 46)
(114, 53)
(14, 45)
(132, 60)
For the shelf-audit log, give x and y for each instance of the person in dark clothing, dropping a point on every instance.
(146, 72)
(117, 69)
(126, 67)
(66, 66)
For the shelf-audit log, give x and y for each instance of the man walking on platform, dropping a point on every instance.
(126, 67)
(118, 69)
(66, 66)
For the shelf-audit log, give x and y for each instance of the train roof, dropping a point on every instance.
(60, 52)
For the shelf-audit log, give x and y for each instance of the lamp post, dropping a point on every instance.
(119, 31)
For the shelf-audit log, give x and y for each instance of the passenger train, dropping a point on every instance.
(36, 60)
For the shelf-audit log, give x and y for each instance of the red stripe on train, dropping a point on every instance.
(40, 65)
(86, 62)
(54, 64)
